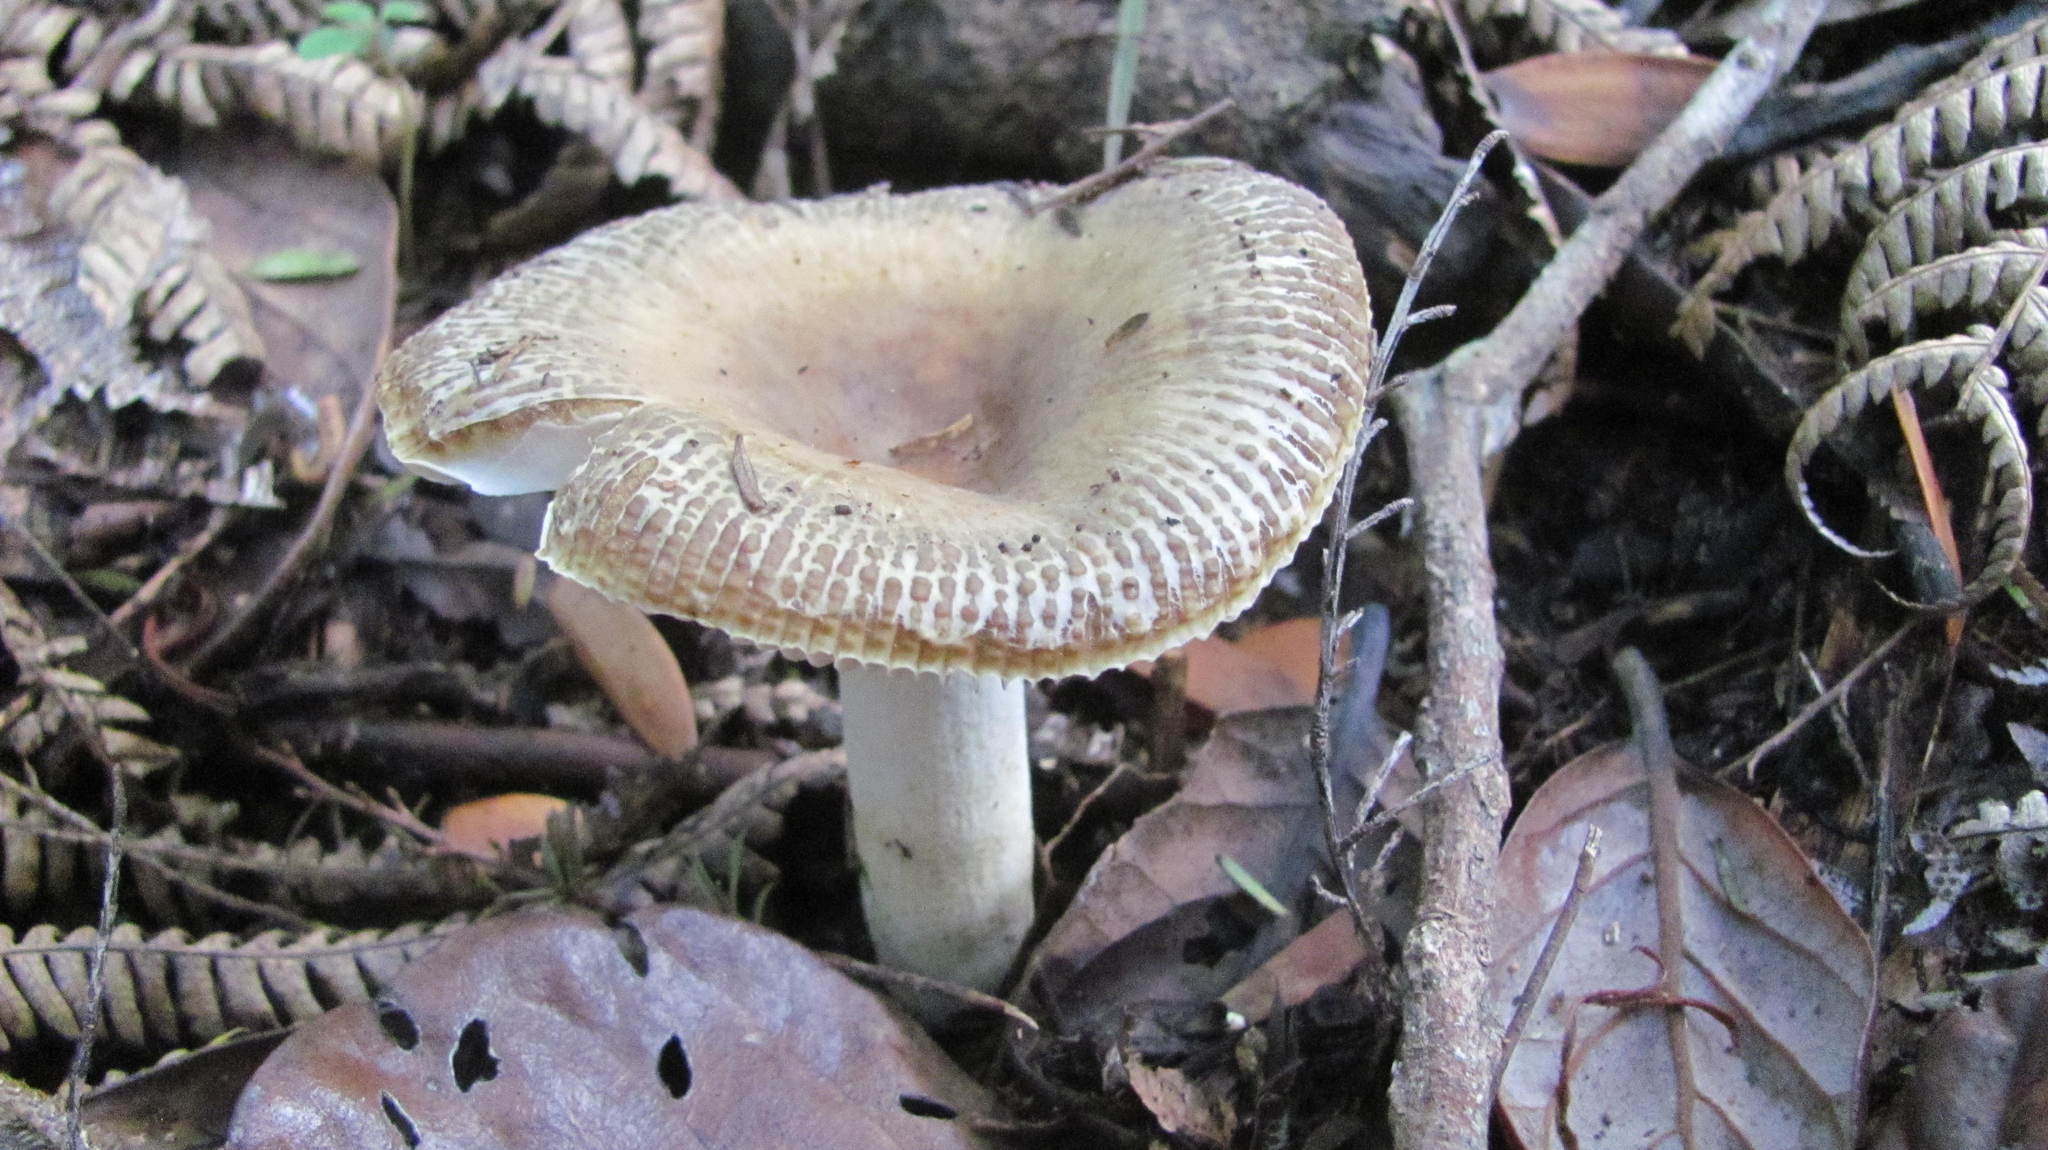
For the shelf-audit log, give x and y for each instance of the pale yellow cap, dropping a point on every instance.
(933, 431)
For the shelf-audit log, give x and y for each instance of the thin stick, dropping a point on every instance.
(1807, 714)
(1653, 743)
(362, 429)
(1337, 535)
(153, 588)
(1539, 975)
(1158, 138)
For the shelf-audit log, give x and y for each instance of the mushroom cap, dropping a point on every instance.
(936, 431)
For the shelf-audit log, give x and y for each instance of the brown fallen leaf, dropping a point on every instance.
(1223, 679)
(674, 1028)
(263, 196)
(1325, 955)
(1982, 1082)
(1594, 108)
(631, 663)
(180, 1103)
(1291, 645)
(1196, 1108)
(1779, 982)
(1159, 919)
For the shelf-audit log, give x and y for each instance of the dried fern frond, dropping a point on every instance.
(1958, 363)
(253, 21)
(168, 990)
(35, 31)
(1999, 191)
(339, 105)
(1871, 175)
(1961, 288)
(42, 308)
(1577, 26)
(61, 695)
(685, 42)
(600, 41)
(145, 253)
(638, 142)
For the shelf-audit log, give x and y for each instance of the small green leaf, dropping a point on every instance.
(328, 40)
(1235, 871)
(307, 263)
(348, 12)
(404, 12)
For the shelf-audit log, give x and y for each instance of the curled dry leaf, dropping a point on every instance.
(1595, 108)
(673, 1028)
(1781, 982)
(631, 663)
(1983, 1076)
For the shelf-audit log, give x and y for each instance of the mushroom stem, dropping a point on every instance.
(941, 792)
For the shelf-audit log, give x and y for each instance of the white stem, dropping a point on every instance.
(941, 789)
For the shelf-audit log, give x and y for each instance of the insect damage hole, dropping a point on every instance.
(674, 1067)
(472, 1060)
(399, 1119)
(632, 947)
(918, 1106)
(397, 1024)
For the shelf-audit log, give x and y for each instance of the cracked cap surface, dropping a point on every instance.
(932, 431)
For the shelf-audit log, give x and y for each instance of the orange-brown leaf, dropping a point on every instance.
(1596, 108)
(631, 662)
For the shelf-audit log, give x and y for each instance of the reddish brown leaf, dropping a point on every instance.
(1767, 948)
(1597, 108)
(550, 1030)
(631, 662)
(1982, 1082)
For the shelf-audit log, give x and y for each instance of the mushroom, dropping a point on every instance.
(943, 439)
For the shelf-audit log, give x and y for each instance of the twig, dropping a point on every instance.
(361, 430)
(1448, 1040)
(398, 818)
(1747, 763)
(153, 588)
(1337, 535)
(1158, 138)
(1539, 975)
(1653, 744)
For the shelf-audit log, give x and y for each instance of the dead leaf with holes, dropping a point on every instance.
(1982, 1082)
(1159, 918)
(1779, 982)
(551, 1031)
